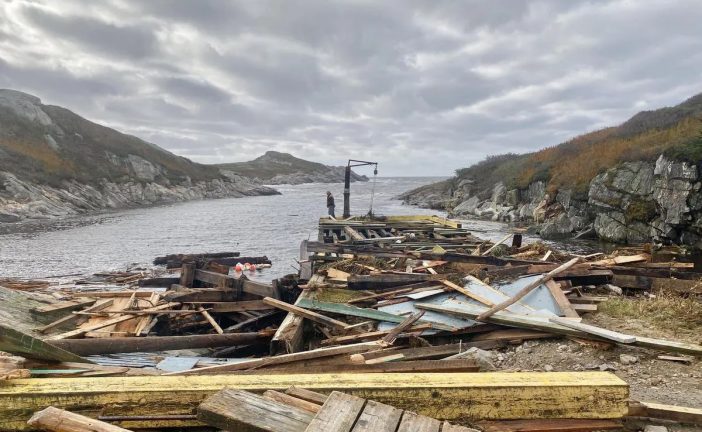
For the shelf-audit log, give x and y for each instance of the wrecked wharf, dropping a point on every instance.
(398, 319)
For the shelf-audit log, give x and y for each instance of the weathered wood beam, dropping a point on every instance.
(447, 396)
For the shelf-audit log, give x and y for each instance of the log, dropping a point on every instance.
(450, 396)
(100, 346)
(192, 257)
(58, 420)
(527, 289)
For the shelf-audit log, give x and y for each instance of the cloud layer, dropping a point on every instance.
(423, 87)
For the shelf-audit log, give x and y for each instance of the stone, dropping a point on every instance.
(613, 289)
(607, 367)
(467, 207)
(626, 359)
(558, 227)
(652, 428)
(481, 357)
(548, 368)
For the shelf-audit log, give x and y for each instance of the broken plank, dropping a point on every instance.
(284, 358)
(98, 306)
(308, 395)
(674, 413)
(594, 330)
(584, 307)
(289, 336)
(338, 414)
(234, 410)
(412, 422)
(312, 316)
(210, 320)
(58, 420)
(378, 417)
(292, 401)
(391, 337)
(561, 300)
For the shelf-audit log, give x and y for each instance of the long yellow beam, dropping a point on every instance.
(450, 396)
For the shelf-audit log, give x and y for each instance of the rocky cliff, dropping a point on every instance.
(638, 182)
(275, 168)
(54, 163)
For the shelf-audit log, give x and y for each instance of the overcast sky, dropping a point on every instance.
(423, 87)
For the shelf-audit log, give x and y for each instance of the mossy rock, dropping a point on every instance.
(640, 211)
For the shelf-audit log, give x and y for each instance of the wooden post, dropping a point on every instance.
(187, 274)
(58, 420)
(527, 289)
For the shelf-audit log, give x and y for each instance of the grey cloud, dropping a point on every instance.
(396, 81)
(129, 41)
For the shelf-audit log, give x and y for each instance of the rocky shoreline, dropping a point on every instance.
(23, 200)
(634, 202)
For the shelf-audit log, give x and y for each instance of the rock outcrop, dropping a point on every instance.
(633, 202)
(638, 201)
(636, 182)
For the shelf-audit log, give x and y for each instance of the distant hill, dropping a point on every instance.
(283, 168)
(633, 182)
(50, 144)
(54, 162)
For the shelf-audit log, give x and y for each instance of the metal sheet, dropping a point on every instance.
(539, 299)
(177, 364)
(407, 308)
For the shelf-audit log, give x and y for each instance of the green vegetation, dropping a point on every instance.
(666, 311)
(674, 132)
(689, 151)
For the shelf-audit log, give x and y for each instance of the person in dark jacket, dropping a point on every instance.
(330, 204)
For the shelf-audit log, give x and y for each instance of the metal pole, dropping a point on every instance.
(347, 192)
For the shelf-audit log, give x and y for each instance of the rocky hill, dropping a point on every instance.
(283, 168)
(54, 163)
(632, 183)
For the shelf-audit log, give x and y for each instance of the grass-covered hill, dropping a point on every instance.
(674, 131)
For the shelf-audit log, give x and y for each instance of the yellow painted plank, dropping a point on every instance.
(447, 396)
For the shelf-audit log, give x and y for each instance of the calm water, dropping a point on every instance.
(270, 225)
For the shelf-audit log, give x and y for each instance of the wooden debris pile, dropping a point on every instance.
(379, 308)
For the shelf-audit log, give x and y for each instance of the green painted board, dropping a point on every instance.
(372, 314)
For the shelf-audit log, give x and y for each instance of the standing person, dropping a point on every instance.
(330, 204)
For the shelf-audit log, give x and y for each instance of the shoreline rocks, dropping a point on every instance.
(634, 202)
(23, 200)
